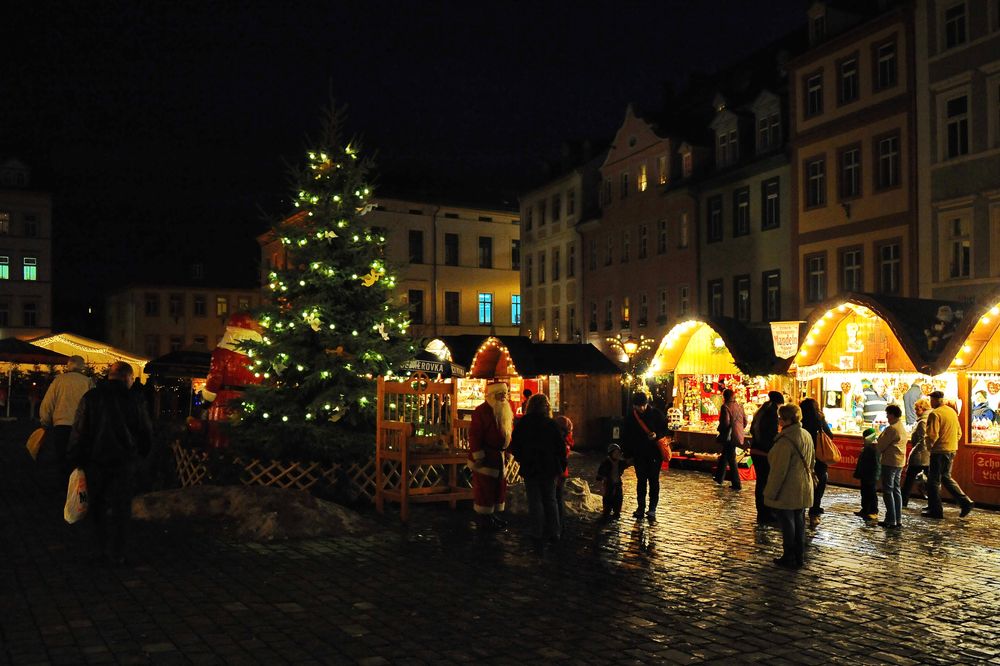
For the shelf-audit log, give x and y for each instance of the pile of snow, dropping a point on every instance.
(576, 496)
(253, 513)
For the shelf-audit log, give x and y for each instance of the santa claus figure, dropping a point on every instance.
(229, 374)
(489, 437)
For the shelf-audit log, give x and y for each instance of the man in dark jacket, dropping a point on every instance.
(764, 429)
(539, 448)
(110, 433)
(641, 429)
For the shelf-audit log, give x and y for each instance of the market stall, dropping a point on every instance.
(863, 352)
(96, 354)
(973, 357)
(175, 383)
(707, 356)
(580, 382)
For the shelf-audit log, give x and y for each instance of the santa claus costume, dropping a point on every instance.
(229, 374)
(489, 437)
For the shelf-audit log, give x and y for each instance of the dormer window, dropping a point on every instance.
(817, 23)
(767, 111)
(726, 126)
(687, 163)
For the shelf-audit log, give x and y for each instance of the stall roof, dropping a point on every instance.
(916, 323)
(751, 348)
(94, 352)
(533, 360)
(975, 326)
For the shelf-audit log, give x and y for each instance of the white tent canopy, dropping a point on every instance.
(95, 353)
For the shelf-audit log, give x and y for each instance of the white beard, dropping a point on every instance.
(505, 418)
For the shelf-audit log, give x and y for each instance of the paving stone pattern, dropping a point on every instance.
(697, 586)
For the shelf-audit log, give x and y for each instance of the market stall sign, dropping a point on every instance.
(443, 368)
(850, 449)
(785, 337)
(986, 469)
(808, 373)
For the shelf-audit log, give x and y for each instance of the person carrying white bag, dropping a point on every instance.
(111, 432)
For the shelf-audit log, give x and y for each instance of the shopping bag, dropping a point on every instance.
(35, 441)
(665, 450)
(76, 497)
(826, 450)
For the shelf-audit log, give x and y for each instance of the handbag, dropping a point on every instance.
(35, 441)
(663, 443)
(826, 450)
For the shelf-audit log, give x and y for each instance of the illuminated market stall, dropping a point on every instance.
(863, 352)
(973, 356)
(707, 356)
(96, 354)
(580, 382)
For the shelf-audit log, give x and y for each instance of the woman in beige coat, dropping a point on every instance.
(789, 489)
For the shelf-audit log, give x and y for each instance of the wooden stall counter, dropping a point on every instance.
(842, 473)
(982, 481)
(695, 440)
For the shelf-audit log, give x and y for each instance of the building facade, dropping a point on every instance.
(640, 271)
(745, 257)
(853, 154)
(552, 257)
(959, 119)
(152, 320)
(25, 254)
(458, 268)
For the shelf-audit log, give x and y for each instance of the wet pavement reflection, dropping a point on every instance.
(698, 585)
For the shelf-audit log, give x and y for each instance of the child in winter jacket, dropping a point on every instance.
(867, 472)
(610, 472)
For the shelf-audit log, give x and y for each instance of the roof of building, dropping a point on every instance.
(534, 359)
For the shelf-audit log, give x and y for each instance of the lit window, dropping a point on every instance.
(221, 306)
(626, 312)
(30, 268)
(485, 308)
(515, 309)
(642, 183)
(4, 268)
(661, 169)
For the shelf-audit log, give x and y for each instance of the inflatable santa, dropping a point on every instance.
(229, 374)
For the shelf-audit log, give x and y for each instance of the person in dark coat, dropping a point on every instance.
(539, 448)
(641, 429)
(732, 423)
(764, 430)
(813, 422)
(111, 432)
(866, 471)
(610, 476)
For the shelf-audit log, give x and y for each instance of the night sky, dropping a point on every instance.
(163, 128)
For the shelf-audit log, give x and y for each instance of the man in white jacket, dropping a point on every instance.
(59, 408)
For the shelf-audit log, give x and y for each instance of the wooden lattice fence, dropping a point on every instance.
(193, 469)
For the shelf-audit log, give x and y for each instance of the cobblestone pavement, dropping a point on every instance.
(697, 586)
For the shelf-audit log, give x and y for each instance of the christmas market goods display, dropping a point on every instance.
(862, 353)
(698, 354)
(329, 330)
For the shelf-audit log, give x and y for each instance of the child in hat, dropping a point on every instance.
(610, 472)
(866, 471)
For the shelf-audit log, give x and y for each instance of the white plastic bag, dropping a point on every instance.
(76, 497)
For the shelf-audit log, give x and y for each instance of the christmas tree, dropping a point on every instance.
(329, 329)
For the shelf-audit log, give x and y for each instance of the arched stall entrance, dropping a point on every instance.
(973, 356)
(704, 357)
(861, 353)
